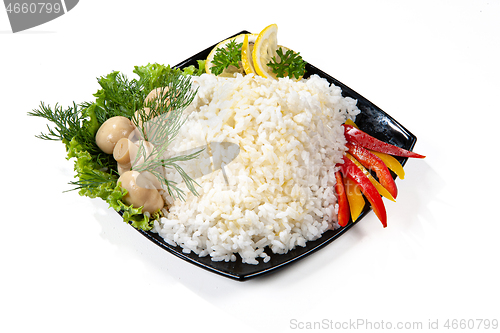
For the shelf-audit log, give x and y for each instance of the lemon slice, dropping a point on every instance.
(246, 53)
(264, 50)
(231, 70)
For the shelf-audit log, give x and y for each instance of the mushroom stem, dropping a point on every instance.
(125, 153)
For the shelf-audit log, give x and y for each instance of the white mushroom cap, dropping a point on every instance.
(111, 131)
(141, 192)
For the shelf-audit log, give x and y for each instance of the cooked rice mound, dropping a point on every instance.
(271, 184)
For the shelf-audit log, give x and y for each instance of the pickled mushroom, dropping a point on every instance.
(141, 191)
(125, 153)
(111, 131)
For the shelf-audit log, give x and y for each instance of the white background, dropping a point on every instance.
(70, 265)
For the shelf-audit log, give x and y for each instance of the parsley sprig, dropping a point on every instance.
(227, 56)
(289, 64)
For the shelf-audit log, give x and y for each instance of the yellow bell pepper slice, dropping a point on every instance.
(391, 163)
(375, 183)
(355, 198)
(350, 122)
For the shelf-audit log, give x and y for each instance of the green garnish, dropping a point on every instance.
(226, 56)
(96, 174)
(77, 125)
(192, 70)
(289, 64)
(67, 122)
(119, 96)
(160, 121)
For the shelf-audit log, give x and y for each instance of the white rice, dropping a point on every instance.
(278, 191)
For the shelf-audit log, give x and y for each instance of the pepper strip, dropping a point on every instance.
(349, 169)
(373, 162)
(352, 134)
(350, 122)
(354, 197)
(343, 214)
(391, 163)
(368, 175)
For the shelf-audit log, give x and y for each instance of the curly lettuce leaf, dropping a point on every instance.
(192, 70)
(135, 217)
(152, 76)
(91, 123)
(93, 180)
(130, 214)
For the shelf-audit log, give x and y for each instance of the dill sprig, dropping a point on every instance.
(91, 180)
(119, 96)
(68, 122)
(154, 165)
(71, 123)
(159, 123)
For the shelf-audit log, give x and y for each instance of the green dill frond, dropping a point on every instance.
(119, 96)
(67, 122)
(92, 181)
(159, 122)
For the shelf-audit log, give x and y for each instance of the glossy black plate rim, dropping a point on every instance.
(372, 120)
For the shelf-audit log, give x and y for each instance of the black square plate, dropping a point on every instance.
(372, 120)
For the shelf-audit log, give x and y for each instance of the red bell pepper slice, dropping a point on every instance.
(349, 169)
(344, 211)
(354, 135)
(373, 162)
